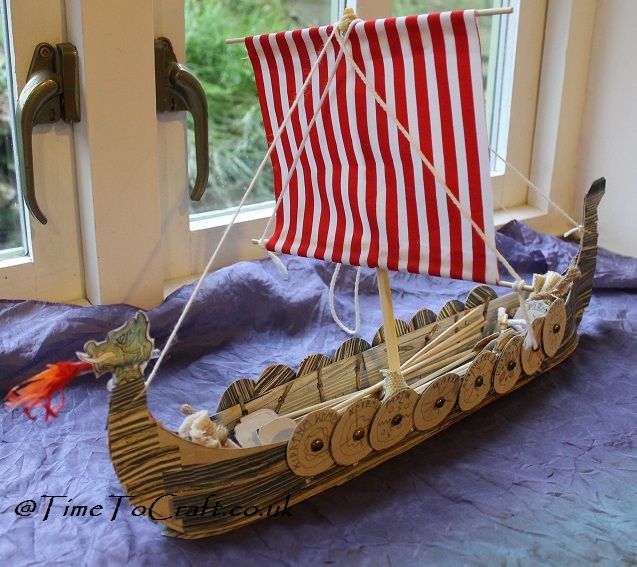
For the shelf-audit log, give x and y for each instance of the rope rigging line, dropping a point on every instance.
(519, 286)
(306, 134)
(357, 307)
(341, 32)
(576, 225)
(438, 176)
(215, 253)
(286, 184)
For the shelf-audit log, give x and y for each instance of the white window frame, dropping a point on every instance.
(53, 268)
(206, 228)
(198, 234)
(516, 56)
(136, 239)
(543, 122)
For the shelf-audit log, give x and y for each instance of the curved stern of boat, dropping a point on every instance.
(586, 259)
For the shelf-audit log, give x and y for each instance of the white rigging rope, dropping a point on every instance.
(538, 191)
(519, 282)
(215, 253)
(347, 24)
(299, 151)
(357, 307)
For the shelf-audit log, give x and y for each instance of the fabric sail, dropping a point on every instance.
(360, 194)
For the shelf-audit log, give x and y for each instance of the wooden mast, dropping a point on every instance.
(389, 323)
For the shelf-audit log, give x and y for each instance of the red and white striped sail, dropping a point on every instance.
(360, 194)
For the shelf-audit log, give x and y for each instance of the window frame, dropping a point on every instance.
(527, 25)
(52, 268)
(544, 125)
(145, 245)
(200, 233)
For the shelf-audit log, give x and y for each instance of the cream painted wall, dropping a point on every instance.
(608, 145)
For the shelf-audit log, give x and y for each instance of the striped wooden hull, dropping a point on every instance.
(197, 491)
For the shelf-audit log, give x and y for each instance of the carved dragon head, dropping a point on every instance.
(127, 345)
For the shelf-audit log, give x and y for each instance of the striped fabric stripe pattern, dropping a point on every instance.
(360, 194)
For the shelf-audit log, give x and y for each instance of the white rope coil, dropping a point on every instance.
(357, 307)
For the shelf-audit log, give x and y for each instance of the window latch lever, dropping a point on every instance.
(51, 93)
(179, 89)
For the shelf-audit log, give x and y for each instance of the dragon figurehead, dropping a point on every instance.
(128, 345)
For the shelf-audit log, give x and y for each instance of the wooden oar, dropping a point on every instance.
(343, 402)
(464, 334)
(458, 366)
(441, 355)
(459, 325)
(456, 331)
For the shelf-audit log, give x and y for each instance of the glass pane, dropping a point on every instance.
(409, 7)
(237, 140)
(492, 58)
(12, 241)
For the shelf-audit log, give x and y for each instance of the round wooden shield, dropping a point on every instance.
(532, 358)
(554, 327)
(476, 382)
(308, 451)
(508, 368)
(393, 420)
(436, 401)
(350, 442)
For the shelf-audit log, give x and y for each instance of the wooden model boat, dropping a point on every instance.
(295, 433)
(175, 477)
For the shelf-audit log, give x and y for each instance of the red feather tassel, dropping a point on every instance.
(38, 391)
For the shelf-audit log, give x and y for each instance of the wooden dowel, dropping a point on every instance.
(341, 403)
(495, 11)
(359, 395)
(435, 360)
(389, 323)
(482, 13)
(451, 342)
(325, 404)
(455, 328)
(430, 372)
(371, 390)
(513, 285)
(442, 350)
(458, 366)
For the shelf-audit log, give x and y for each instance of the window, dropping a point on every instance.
(237, 143)
(122, 173)
(36, 261)
(237, 140)
(236, 135)
(12, 233)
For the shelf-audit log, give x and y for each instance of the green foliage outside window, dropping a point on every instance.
(10, 232)
(237, 141)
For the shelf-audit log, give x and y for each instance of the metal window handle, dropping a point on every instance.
(179, 89)
(50, 94)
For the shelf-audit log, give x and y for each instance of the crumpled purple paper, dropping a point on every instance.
(544, 476)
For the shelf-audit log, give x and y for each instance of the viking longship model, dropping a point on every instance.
(379, 149)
